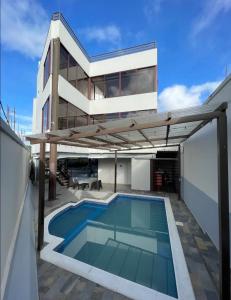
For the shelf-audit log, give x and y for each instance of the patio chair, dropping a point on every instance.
(83, 185)
(74, 183)
(96, 185)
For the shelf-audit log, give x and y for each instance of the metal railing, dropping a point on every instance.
(58, 16)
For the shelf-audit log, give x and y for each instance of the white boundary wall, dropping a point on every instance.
(14, 168)
(199, 171)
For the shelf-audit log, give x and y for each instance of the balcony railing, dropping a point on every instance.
(130, 50)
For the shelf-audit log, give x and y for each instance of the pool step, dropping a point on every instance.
(138, 265)
(132, 263)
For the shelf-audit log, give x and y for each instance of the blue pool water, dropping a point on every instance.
(128, 238)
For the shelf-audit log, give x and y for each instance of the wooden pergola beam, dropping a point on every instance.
(146, 138)
(119, 137)
(133, 127)
(167, 134)
(99, 139)
(75, 144)
(151, 147)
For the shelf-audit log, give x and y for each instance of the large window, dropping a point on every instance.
(72, 71)
(45, 116)
(70, 116)
(63, 67)
(47, 68)
(137, 81)
(125, 83)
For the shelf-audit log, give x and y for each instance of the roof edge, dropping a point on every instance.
(57, 16)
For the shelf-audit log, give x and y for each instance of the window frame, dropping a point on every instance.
(48, 56)
(47, 106)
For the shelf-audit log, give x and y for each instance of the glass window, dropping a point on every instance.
(72, 71)
(137, 81)
(45, 116)
(82, 81)
(71, 116)
(62, 123)
(47, 67)
(112, 85)
(98, 86)
(63, 66)
(106, 86)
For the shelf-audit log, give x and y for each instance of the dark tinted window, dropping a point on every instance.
(45, 116)
(47, 67)
(63, 62)
(72, 71)
(112, 88)
(70, 116)
(137, 81)
(125, 83)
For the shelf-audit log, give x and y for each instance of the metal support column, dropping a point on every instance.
(223, 207)
(41, 203)
(115, 183)
(52, 171)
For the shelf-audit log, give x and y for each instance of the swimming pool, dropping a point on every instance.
(126, 239)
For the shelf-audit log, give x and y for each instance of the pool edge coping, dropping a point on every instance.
(113, 282)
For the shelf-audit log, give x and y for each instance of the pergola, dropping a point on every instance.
(154, 130)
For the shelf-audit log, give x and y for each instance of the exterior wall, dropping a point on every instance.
(125, 62)
(72, 95)
(24, 287)
(199, 169)
(106, 170)
(140, 174)
(125, 103)
(14, 181)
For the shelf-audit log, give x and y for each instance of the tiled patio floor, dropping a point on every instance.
(201, 257)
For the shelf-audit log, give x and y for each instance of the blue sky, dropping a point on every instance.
(193, 39)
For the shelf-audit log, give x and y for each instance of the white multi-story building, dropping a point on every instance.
(74, 90)
(88, 90)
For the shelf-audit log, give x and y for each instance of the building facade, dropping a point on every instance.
(74, 89)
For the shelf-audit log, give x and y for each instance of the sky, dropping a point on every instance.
(193, 41)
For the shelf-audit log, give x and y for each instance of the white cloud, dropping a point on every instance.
(152, 8)
(24, 118)
(23, 123)
(23, 129)
(211, 10)
(24, 25)
(110, 34)
(181, 96)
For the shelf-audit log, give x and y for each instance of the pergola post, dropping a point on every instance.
(115, 178)
(223, 208)
(41, 203)
(52, 171)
